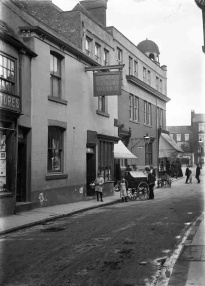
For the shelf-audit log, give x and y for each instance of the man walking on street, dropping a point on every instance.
(198, 173)
(187, 174)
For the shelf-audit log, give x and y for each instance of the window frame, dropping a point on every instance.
(144, 75)
(105, 159)
(88, 45)
(105, 57)
(178, 135)
(97, 52)
(131, 106)
(186, 137)
(135, 68)
(148, 153)
(149, 77)
(147, 113)
(57, 130)
(157, 83)
(130, 65)
(4, 77)
(56, 77)
(119, 56)
(201, 127)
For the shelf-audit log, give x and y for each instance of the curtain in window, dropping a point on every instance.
(54, 149)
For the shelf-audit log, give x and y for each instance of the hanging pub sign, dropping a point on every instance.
(107, 83)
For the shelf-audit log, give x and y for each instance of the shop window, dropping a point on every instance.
(55, 75)
(7, 74)
(105, 159)
(55, 149)
(148, 154)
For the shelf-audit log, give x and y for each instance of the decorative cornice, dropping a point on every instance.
(146, 87)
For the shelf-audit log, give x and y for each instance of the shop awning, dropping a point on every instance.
(121, 151)
(168, 147)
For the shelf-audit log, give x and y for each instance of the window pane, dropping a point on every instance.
(54, 148)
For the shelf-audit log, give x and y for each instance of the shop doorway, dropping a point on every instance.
(21, 167)
(91, 170)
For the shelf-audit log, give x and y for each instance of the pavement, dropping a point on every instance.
(189, 268)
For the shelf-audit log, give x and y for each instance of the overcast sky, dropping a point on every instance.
(176, 27)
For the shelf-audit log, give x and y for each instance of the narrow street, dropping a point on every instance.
(117, 245)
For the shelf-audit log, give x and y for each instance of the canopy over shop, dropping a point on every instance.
(168, 147)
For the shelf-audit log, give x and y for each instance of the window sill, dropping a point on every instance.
(102, 113)
(5, 194)
(150, 126)
(58, 100)
(56, 176)
(134, 121)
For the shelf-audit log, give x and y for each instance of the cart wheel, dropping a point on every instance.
(143, 191)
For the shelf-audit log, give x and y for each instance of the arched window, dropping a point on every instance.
(151, 56)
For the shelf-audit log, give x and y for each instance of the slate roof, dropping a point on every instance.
(180, 129)
(199, 117)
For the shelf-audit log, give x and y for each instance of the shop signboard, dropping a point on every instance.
(107, 83)
(10, 102)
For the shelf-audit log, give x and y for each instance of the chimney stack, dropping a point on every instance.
(97, 8)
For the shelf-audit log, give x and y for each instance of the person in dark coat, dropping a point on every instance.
(198, 173)
(151, 182)
(187, 173)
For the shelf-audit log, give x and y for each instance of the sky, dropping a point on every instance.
(176, 27)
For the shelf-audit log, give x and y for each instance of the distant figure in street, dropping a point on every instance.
(190, 176)
(152, 171)
(123, 185)
(187, 173)
(198, 173)
(99, 181)
(151, 182)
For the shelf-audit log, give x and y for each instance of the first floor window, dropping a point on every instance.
(134, 107)
(131, 106)
(179, 137)
(147, 113)
(7, 74)
(105, 159)
(102, 103)
(55, 76)
(105, 57)
(148, 154)
(55, 149)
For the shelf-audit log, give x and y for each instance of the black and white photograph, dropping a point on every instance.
(102, 135)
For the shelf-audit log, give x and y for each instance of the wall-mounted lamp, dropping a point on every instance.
(145, 138)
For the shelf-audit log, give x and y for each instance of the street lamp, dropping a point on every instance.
(200, 144)
(146, 139)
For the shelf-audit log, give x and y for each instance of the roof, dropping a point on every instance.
(148, 46)
(199, 117)
(179, 129)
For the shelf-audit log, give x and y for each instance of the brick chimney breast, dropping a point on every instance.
(97, 8)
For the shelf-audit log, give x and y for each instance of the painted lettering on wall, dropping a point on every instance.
(107, 83)
(10, 102)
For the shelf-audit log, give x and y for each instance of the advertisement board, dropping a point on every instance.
(107, 83)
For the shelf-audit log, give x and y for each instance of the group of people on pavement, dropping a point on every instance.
(151, 179)
(188, 175)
